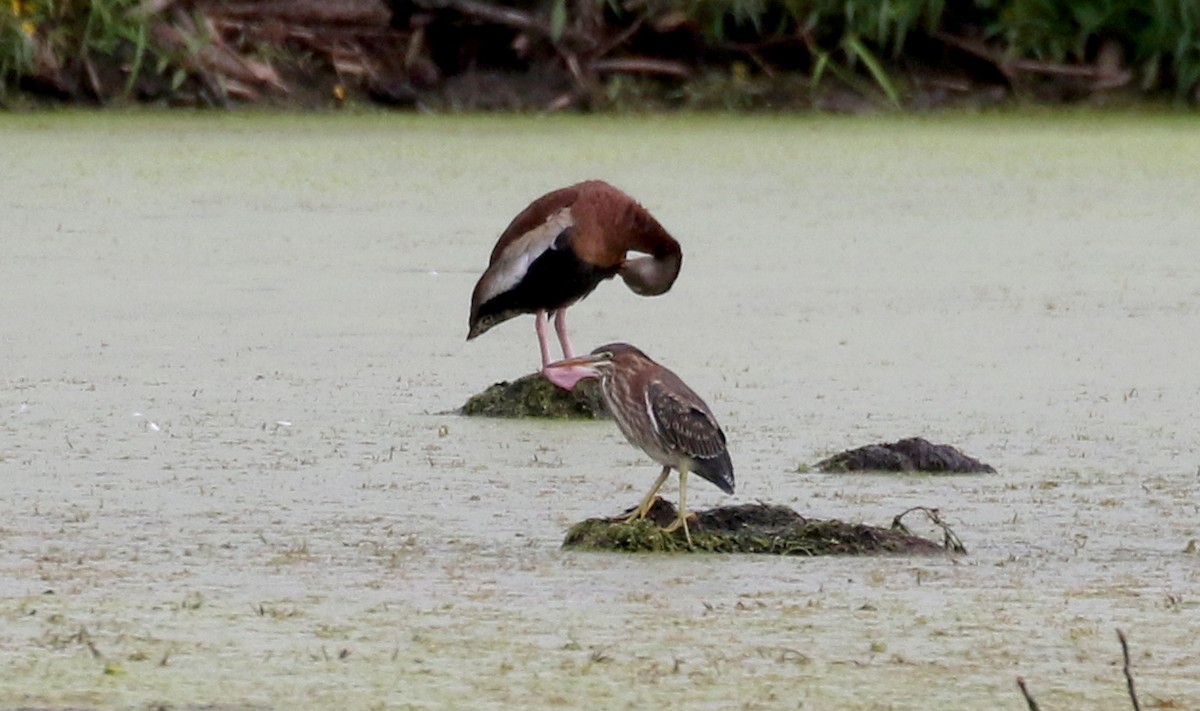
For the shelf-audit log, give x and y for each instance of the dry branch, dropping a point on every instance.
(1033, 706)
(641, 65)
(319, 13)
(518, 20)
(1104, 73)
(1128, 674)
(1133, 698)
(950, 540)
(619, 38)
(206, 54)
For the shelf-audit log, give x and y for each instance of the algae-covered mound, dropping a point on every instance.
(907, 455)
(753, 528)
(534, 396)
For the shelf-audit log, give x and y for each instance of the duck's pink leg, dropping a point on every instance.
(560, 327)
(543, 339)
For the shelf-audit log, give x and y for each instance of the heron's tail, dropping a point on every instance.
(718, 470)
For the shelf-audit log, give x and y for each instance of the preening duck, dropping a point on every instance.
(557, 250)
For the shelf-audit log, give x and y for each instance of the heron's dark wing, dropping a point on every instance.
(683, 419)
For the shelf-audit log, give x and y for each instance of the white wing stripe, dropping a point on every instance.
(514, 261)
(650, 413)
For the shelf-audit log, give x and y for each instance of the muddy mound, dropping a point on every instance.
(534, 396)
(907, 455)
(756, 528)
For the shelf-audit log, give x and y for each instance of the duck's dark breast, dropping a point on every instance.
(556, 279)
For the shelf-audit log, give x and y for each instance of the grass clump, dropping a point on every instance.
(534, 396)
(749, 528)
(66, 48)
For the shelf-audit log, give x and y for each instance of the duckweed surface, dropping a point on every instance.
(231, 342)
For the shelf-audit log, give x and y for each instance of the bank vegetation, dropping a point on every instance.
(838, 55)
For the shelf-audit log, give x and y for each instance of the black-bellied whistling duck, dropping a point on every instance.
(657, 412)
(560, 247)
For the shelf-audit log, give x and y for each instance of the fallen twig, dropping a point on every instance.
(316, 13)
(1103, 73)
(206, 54)
(801, 36)
(1033, 706)
(516, 19)
(972, 47)
(1128, 674)
(619, 39)
(641, 65)
(93, 78)
(1085, 71)
(950, 540)
(1133, 698)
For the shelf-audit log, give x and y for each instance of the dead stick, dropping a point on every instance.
(748, 47)
(501, 16)
(761, 61)
(516, 19)
(1009, 67)
(1025, 692)
(94, 79)
(641, 65)
(620, 39)
(1128, 674)
(970, 46)
(312, 12)
(1065, 70)
(950, 541)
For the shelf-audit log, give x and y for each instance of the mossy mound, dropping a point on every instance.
(534, 396)
(907, 455)
(753, 528)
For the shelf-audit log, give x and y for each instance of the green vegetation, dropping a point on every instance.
(806, 538)
(118, 50)
(39, 40)
(208, 52)
(754, 528)
(534, 396)
(1160, 39)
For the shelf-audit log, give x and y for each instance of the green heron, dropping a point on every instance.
(657, 412)
(557, 250)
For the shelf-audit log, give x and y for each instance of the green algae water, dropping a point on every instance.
(231, 345)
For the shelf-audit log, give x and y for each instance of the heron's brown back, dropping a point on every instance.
(658, 413)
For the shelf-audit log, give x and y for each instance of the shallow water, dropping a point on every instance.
(231, 344)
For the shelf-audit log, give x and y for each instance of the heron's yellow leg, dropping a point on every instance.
(682, 517)
(644, 507)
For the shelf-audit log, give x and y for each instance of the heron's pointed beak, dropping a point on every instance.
(566, 374)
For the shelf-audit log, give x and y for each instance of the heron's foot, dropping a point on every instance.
(640, 512)
(680, 521)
